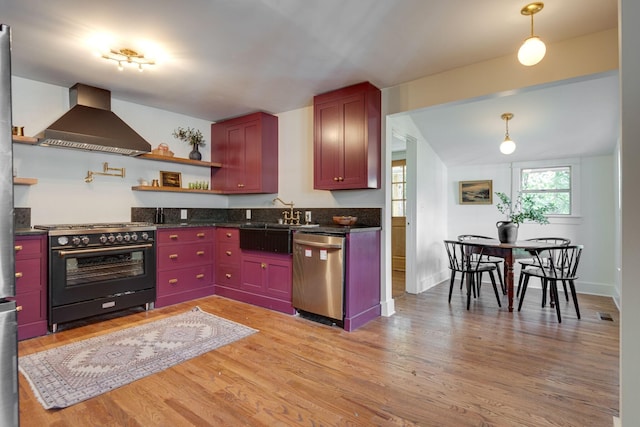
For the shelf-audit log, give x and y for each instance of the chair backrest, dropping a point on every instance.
(460, 255)
(553, 240)
(561, 261)
(463, 237)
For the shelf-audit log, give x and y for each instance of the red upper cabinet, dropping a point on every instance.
(247, 147)
(347, 128)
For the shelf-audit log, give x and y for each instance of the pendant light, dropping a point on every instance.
(533, 49)
(507, 146)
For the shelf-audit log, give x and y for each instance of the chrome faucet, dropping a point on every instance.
(289, 217)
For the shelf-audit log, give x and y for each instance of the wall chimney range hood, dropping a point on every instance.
(91, 125)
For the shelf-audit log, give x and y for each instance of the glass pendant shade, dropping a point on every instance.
(532, 51)
(507, 146)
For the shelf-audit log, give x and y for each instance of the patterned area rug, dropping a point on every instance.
(69, 374)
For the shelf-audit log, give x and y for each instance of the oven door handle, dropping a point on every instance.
(62, 254)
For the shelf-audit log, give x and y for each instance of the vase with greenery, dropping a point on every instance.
(524, 208)
(192, 137)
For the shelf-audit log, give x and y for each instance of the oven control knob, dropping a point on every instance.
(119, 237)
(145, 236)
(63, 240)
(103, 239)
(85, 240)
(127, 237)
(111, 238)
(75, 241)
(134, 236)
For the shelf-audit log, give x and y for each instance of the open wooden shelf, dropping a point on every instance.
(25, 139)
(24, 181)
(173, 189)
(179, 160)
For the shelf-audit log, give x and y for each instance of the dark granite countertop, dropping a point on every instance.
(28, 231)
(322, 228)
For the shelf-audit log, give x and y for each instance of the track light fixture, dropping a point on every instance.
(128, 56)
(507, 146)
(533, 49)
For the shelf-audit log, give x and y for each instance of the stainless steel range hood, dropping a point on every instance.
(91, 125)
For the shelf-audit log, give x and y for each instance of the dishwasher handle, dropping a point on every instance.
(317, 244)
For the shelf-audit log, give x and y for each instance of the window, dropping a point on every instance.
(398, 188)
(549, 185)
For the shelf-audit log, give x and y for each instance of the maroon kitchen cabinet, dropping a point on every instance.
(247, 147)
(362, 279)
(31, 285)
(227, 260)
(266, 280)
(347, 138)
(184, 264)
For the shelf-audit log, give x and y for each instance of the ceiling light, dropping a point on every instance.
(128, 56)
(533, 49)
(507, 146)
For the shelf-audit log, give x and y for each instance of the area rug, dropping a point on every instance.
(71, 373)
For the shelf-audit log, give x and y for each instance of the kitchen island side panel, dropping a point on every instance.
(362, 279)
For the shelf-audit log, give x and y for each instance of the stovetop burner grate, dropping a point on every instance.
(92, 226)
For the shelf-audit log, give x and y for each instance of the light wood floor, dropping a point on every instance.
(431, 364)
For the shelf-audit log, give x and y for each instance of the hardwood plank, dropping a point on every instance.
(432, 363)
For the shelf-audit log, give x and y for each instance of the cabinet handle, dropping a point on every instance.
(173, 256)
(200, 253)
(200, 235)
(173, 281)
(228, 253)
(19, 308)
(17, 248)
(240, 185)
(336, 179)
(340, 179)
(263, 265)
(173, 236)
(18, 275)
(229, 234)
(228, 275)
(199, 276)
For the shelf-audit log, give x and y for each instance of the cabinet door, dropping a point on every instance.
(328, 147)
(278, 281)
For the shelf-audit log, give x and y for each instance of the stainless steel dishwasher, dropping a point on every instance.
(318, 274)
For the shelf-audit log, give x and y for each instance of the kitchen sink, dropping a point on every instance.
(275, 238)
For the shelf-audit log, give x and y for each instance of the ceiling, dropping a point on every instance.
(226, 58)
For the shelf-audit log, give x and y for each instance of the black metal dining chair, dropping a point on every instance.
(486, 259)
(527, 262)
(552, 265)
(465, 258)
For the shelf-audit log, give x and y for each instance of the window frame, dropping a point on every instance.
(574, 167)
(403, 163)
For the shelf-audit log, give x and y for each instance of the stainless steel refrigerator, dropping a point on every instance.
(9, 412)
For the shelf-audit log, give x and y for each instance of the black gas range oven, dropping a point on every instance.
(99, 268)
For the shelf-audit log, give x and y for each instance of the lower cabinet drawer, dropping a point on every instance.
(31, 307)
(228, 275)
(28, 275)
(182, 280)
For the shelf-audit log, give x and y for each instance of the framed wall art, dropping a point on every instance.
(476, 192)
(170, 179)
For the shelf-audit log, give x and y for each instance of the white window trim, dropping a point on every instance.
(574, 163)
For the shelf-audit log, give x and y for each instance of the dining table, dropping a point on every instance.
(509, 252)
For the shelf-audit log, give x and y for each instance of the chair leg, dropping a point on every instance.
(470, 284)
(564, 286)
(554, 291)
(502, 286)
(544, 292)
(453, 279)
(520, 279)
(525, 283)
(575, 297)
(495, 288)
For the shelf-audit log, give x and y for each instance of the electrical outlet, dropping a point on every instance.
(248, 214)
(307, 217)
(183, 214)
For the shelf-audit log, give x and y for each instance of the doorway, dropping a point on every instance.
(398, 226)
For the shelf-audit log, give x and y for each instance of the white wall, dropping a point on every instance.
(629, 15)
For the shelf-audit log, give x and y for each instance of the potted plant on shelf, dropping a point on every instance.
(522, 209)
(192, 137)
